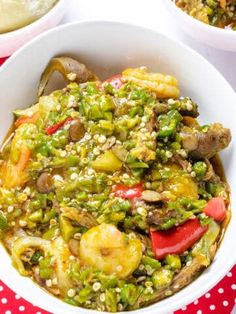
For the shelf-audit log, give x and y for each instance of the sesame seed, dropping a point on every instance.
(71, 76)
(119, 268)
(142, 125)
(48, 282)
(102, 297)
(118, 290)
(63, 153)
(71, 293)
(189, 105)
(87, 136)
(22, 223)
(169, 154)
(96, 286)
(57, 177)
(78, 149)
(54, 281)
(58, 107)
(96, 151)
(74, 176)
(171, 101)
(77, 235)
(193, 174)
(90, 172)
(10, 209)
(125, 176)
(102, 139)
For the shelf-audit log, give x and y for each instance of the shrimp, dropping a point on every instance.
(107, 249)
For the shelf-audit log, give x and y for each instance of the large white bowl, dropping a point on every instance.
(10, 42)
(219, 38)
(107, 48)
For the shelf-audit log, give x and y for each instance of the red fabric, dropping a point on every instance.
(219, 300)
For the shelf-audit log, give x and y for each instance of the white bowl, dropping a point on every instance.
(219, 38)
(10, 42)
(107, 48)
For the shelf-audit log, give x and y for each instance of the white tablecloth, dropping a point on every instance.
(152, 14)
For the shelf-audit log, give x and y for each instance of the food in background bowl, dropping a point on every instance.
(220, 13)
(112, 194)
(15, 14)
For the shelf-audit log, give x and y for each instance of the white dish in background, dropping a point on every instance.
(11, 41)
(219, 38)
(107, 48)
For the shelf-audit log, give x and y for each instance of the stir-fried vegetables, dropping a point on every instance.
(109, 198)
(220, 13)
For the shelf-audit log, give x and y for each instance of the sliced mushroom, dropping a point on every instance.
(70, 69)
(44, 183)
(76, 130)
(151, 196)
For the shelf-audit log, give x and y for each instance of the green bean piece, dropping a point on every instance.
(84, 295)
(200, 168)
(111, 300)
(174, 261)
(3, 222)
(168, 123)
(129, 294)
(152, 262)
(45, 268)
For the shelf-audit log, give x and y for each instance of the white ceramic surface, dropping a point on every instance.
(10, 42)
(107, 48)
(214, 36)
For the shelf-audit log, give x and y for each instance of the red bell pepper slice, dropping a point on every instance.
(115, 81)
(177, 240)
(216, 209)
(55, 127)
(124, 191)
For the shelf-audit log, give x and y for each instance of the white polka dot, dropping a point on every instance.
(212, 307)
(199, 312)
(17, 297)
(207, 295)
(225, 303)
(38, 313)
(229, 274)
(233, 287)
(221, 290)
(1, 288)
(184, 308)
(8, 312)
(196, 302)
(235, 300)
(21, 308)
(4, 300)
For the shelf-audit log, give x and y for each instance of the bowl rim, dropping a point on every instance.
(35, 23)
(198, 23)
(151, 309)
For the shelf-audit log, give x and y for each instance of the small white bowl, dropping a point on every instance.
(107, 48)
(11, 41)
(219, 38)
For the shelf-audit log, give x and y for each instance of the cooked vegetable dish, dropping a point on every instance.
(220, 13)
(112, 196)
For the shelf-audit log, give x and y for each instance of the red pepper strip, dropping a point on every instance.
(216, 209)
(55, 127)
(115, 81)
(124, 191)
(178, 239)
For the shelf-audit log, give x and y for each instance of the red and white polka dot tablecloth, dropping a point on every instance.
(220, 300)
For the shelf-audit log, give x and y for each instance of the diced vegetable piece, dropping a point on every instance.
(216, 209)
(24, 158)
(168, 123)
(202, 248)
(124, 191)
(45, 268)
(107, 162)
(200, 168)
(129, 294)
(67, 230)
(152, 262)
(173, 260)
(162, 278)
(3, 222)
(27, 119)
(115, 81)
(177, 240)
